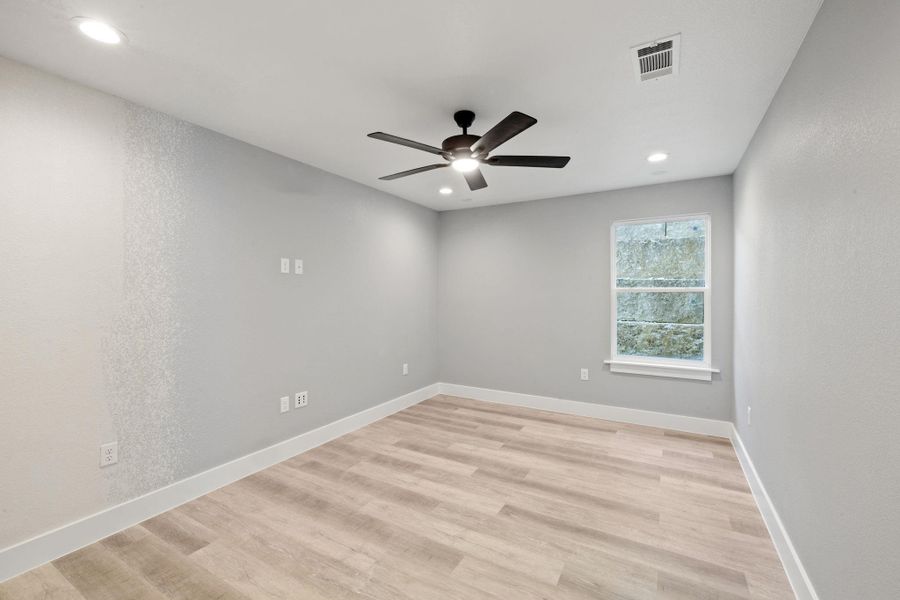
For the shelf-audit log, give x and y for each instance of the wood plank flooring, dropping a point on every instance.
(452, 499)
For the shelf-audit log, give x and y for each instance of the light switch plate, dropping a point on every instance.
(585, 375)
(285, 403)
(285, 265)
(298, 266)
(406, 368)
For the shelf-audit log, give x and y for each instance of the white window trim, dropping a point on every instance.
(649, 365)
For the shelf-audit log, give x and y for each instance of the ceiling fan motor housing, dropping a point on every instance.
(460, 145)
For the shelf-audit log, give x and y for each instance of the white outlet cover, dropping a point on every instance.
(285, 265)
(585, 375)
(109, 454)
(298, 266)
(301, 399)
(285, 403)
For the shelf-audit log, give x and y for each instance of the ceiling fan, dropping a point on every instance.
(467, 152)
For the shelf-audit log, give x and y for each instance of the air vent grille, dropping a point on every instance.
(656, 59)
(656, 49)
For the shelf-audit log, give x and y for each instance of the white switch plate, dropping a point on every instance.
(301, 399)
(285, 403)
(109, 454)
(285, 265)
(749, 419)
(298, 266)
(406, 368)
(585, 375)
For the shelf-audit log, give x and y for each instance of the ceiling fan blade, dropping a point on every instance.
(387, 137)
(514, 124)
(413, 171)
(549, 162)
(475, 179)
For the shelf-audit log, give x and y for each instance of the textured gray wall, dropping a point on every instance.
(817, 266)
(524, 297)
(140, 299)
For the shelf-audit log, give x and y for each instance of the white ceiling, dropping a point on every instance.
(309, 80)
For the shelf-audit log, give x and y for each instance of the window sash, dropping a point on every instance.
(706, 290)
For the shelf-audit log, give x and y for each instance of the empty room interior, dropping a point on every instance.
(417, 300)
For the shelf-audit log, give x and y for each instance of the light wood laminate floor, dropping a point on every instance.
(452, 499)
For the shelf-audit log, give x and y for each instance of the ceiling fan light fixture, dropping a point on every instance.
(465, 165)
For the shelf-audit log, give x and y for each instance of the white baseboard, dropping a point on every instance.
(589, 409)
(793, 567)
(803, 587)
(68, 538)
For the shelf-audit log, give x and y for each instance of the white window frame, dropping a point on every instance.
(651, 365)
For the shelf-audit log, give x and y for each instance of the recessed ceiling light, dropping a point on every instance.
(99, 31)
(657, 157)
(445, 191)
(464, 165)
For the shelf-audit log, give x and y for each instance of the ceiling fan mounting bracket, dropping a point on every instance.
(464, 119)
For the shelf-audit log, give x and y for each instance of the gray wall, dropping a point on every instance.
(817, 269)
(141, 299)
(524, 297)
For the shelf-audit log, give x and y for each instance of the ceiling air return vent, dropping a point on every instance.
(656, 59)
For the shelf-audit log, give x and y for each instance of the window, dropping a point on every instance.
(661, 297)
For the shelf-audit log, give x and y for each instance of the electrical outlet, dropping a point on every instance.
(109, 454)
(749, 416)
(285, 403)
(301, 399)
(585, 375)
(406, 368)
(285, 265)
(298, 266)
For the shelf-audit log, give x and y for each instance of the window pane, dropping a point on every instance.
(660, 324)
(661, 254)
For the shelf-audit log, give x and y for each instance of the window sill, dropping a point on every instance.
(661, 370)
